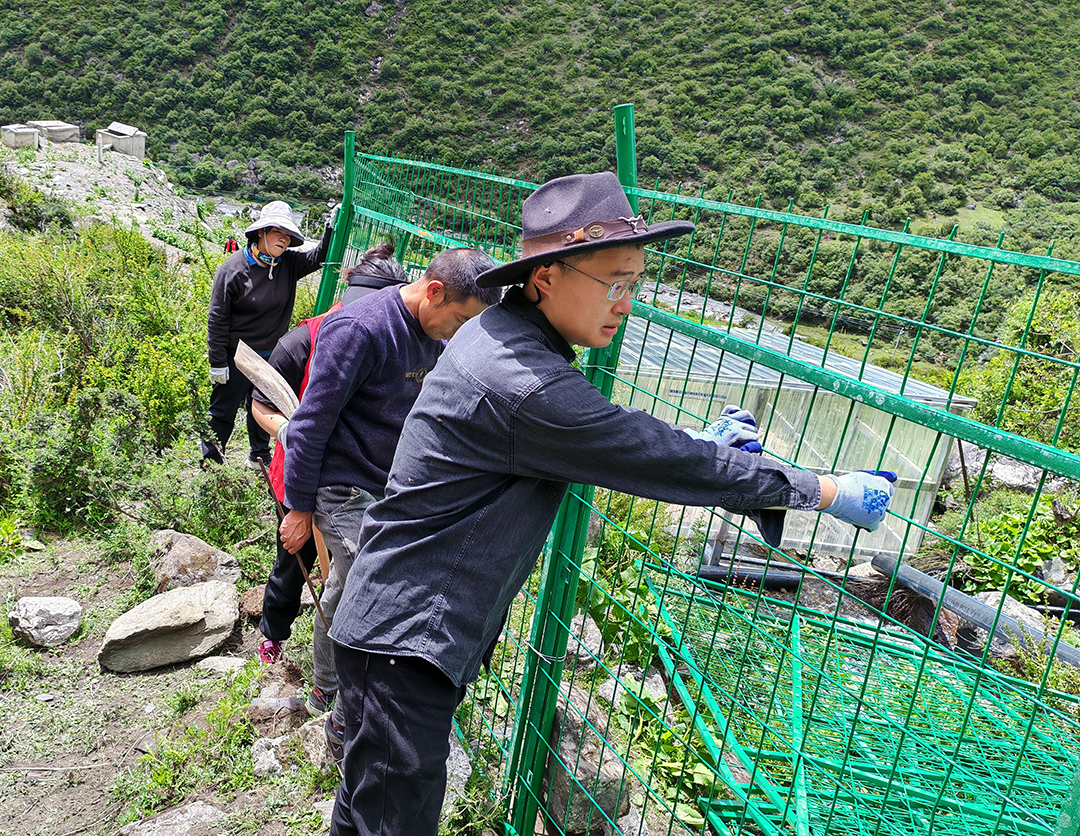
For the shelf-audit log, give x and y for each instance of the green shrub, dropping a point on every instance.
(1037, 387)
(221, 505)
(30, 210)
(79, 459)
(999, 538)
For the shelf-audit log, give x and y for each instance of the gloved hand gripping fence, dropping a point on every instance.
(862, 497)
(736, 427)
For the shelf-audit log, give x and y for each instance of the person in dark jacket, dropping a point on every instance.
(503, 423)
(252, 300)
(291, 358)
(370, 362)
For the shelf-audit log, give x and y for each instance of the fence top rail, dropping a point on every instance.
(1001, 256)
(483, 175)
(906, 239)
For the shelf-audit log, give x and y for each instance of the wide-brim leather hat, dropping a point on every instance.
(276, 213)
(576, 214)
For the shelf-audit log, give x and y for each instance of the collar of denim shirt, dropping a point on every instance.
(516, 300)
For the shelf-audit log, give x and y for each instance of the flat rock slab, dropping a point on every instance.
(45, 622)
(278, 715)
(221, 665)
(176, 626)
(183, 560)
(195, 819)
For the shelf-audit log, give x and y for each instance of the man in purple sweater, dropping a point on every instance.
(370, 360)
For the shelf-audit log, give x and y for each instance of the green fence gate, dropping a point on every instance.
(665, 671)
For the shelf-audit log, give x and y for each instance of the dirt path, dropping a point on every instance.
(72, 730)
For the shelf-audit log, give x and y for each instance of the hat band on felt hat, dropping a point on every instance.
(598, 231)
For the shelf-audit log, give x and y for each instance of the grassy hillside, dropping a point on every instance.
(911, 109)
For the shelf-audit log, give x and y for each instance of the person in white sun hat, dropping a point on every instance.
(252, 300)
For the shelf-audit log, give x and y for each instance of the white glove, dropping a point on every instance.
(862, 497)
(281, 434)
(219, 377)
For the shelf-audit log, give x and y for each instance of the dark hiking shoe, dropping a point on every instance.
(335, 742)
(318, 702)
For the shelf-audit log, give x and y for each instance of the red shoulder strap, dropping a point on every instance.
(313, 326)
(277, 461)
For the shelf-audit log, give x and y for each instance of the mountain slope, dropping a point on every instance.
(904, 109)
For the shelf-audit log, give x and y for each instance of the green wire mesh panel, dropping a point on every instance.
(843, 729)
(665, 671)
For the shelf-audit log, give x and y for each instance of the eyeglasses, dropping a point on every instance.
(617, 290)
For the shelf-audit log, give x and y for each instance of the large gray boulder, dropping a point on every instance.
(183, 559)
(45, 622)
(176, 626)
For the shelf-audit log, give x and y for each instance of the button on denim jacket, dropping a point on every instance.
(502, 425)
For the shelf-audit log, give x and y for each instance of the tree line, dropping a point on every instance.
(909, 109)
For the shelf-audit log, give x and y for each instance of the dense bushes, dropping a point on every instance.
(103, 386)
(1035, 395)
(31, 210)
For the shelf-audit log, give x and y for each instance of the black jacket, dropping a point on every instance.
(249, 303)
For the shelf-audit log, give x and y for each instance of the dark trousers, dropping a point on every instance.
(225, 399)
(281, 599)
(398, 714)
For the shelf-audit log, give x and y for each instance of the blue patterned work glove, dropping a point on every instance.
(739, 414)
(730, 432)
(862, 497)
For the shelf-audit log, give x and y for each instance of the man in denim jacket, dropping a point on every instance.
(502, 424)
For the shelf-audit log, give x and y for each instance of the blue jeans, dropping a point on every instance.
(339, 513)
(398, 713)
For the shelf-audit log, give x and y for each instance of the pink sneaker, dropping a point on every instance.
(271, 651)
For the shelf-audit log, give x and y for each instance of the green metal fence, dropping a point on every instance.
(665, 671)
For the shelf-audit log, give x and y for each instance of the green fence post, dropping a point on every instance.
(626, 149)
(342, 228)
(558, 588)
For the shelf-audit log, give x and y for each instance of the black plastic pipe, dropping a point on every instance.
(968, 608)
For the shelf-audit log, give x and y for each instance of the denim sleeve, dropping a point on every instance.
(566, 429)
(343, 357)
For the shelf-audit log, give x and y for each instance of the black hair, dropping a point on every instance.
(457, 269)
(378, 262)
